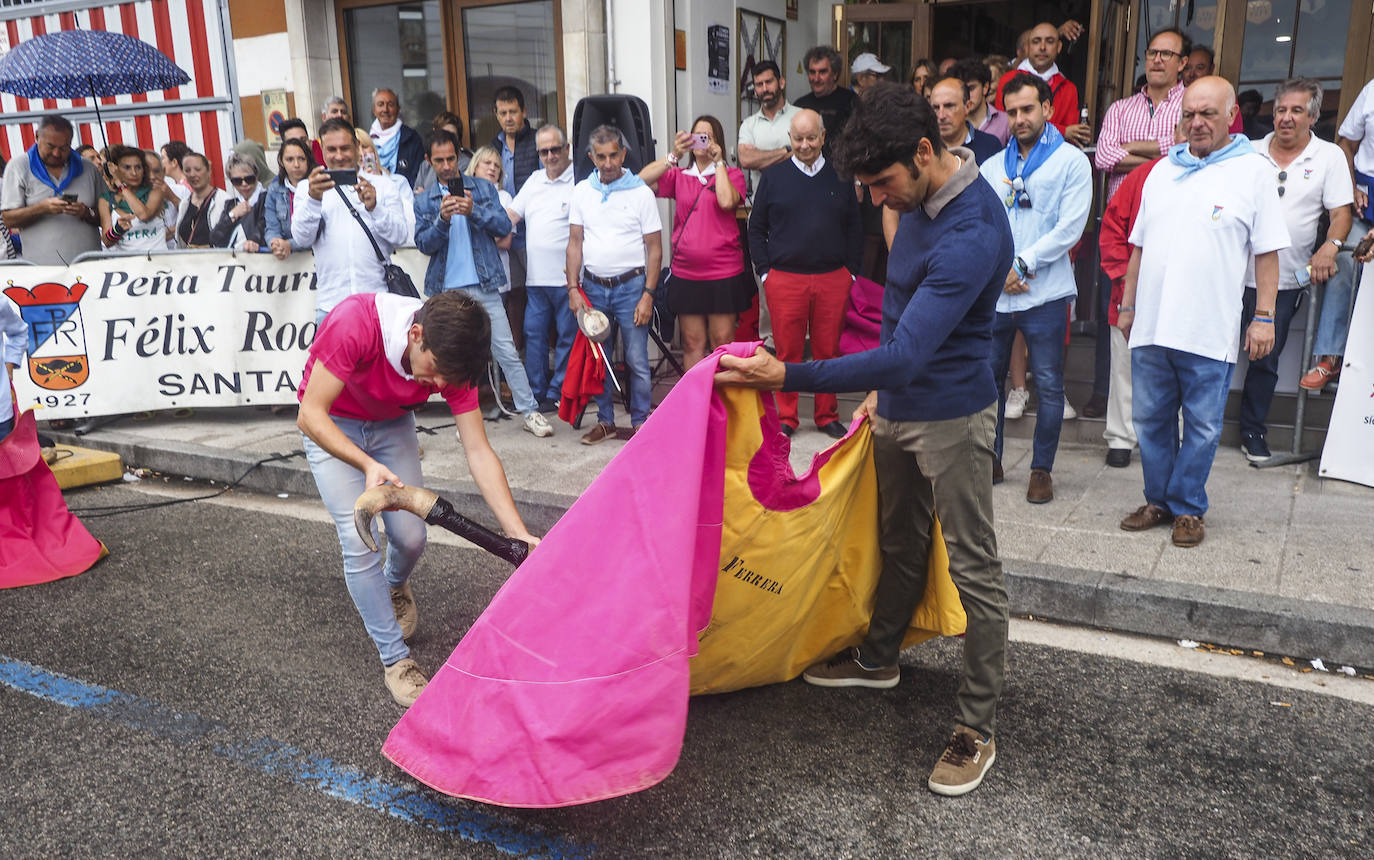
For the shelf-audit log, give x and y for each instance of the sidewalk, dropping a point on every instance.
(1287, 566)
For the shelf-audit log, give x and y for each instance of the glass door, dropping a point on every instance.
(509, 44)
(897, 33)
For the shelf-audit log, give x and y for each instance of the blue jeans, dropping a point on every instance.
(1162, 381)
(6, 427)
(1043, 327)
(503, 349)
(369, 580)
(1338, 299)
(545, 306)
(618, 303)
(1263, 375)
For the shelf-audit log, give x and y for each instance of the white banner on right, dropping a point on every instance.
(1349, 450)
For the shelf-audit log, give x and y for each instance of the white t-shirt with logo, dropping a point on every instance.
(1196, 236)
(543, 205)
(1317, 180)
(613, 231)
(1359, 126)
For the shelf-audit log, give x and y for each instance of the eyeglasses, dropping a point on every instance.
(243, 180)
(552, 150)
(1283, 177)
(1158, 54)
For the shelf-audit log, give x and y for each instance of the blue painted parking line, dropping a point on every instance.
(279, 759)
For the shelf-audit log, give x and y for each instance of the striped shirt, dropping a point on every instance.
(1135, 118)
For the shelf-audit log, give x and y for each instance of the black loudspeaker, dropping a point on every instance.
(628, 113)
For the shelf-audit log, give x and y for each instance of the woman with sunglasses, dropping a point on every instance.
(131, 210)
(243, 225)
(295, 160)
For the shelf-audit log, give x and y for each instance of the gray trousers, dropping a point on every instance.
(941, 468)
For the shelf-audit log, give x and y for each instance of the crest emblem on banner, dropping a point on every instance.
(57, 339)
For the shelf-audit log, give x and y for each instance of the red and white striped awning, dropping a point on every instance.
(203, 113)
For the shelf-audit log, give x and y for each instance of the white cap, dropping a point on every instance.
(868, 63)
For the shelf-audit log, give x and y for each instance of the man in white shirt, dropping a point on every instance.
(1204, 213)
(615, 249)
(542, 204)
(1312, 178)
(763, 139)
(345, 262)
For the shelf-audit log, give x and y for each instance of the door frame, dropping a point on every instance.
(916, 14)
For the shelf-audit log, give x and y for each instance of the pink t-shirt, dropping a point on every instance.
(708, 249)
(351, 344)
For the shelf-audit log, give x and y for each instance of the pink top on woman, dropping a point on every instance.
(708, 249)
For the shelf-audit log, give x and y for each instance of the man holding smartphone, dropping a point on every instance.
(345, 263)
(49, 197)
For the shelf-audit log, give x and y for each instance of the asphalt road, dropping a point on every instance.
(209, 691)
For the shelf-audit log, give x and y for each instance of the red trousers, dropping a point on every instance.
(795, 302)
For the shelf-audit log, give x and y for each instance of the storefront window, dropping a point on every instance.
(1197, 20)
(400, 47)
(511, 44)
(1295, 38)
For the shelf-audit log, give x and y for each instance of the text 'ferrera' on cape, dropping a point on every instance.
(572, 686)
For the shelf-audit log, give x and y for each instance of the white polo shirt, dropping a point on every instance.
(1196, 237)
(1317, 180)
(763, 133)
(613, 231)
(543, 205)
(1359, 125)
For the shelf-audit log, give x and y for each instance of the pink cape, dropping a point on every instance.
(554, 699)
(40, 540)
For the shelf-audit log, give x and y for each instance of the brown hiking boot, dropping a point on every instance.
(405, 681)
(598, 434)
(1041, 489)
(403, 604)
(965, 762)
(1146, 517)
(1188, 530)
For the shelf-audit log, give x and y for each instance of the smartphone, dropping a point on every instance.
(343, 177)
(456, 186)
(70, 198)
(370, 162)
(701, 141)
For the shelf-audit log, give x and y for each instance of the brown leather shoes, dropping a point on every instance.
(1146, 517)
(1188, 530)
(598, 434)
(1041, 489)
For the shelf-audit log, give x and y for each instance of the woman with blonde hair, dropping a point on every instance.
(370, 162)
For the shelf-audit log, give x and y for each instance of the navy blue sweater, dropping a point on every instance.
(943, 279)
(805, 224)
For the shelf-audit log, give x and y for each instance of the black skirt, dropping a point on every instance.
(722, 296)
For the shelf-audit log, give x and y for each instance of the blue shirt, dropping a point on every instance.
(1061, 194)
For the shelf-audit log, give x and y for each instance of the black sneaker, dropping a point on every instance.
(548, 406)
(845, 670)
(1255, 448)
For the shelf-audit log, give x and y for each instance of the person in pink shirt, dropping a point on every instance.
(709, 287)
(376, 358)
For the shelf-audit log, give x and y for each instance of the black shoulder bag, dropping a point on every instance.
(397, 281)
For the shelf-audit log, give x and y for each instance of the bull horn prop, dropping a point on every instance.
(435, 510)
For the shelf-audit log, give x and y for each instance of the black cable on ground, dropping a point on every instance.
(116, 510)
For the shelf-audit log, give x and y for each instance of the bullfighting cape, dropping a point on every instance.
(573, 685)
(40, 540)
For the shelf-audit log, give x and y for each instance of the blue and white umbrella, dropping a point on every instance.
(74, 64)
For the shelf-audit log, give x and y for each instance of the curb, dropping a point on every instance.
(1114, 601)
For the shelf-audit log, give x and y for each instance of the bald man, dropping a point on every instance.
(1042, 52)
(1205, 211)
(806, 241)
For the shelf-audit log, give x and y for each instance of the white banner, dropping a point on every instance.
(1350, 436)
(192, 329)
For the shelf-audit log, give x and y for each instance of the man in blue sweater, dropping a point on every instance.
(932, 402)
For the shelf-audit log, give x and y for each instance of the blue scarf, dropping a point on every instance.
(1049, 141)
(40, 170)
(460, 269)
(626, 181)
(388, 148)
(1179, 154)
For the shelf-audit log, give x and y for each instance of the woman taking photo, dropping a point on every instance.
(294, 163)
(242, 225)
(131, 210)
(707, 287)
(202, 208)
(486, 164)
(370, 162)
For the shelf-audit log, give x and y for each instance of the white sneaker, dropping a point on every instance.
(1069, 412)
(405, 681)
(1016, 402)
(537, 424)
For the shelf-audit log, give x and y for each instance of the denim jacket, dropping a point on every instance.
(278, 211)
(488, 222)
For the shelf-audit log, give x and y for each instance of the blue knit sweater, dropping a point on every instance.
(943, 279)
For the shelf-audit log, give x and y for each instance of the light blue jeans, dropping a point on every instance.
(368, 578)
(504, 351)
(1338, 299)
(618, 303)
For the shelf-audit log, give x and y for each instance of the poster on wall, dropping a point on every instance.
(718, 59)
(761, 37)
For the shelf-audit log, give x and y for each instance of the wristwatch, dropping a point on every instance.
(1339, 243)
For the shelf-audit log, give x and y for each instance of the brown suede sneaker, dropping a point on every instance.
(598, 434)
(1188, 530)
(1041, 489)
(405, 681)
(845, 670)
(403, 604)
(965, 762)
(1146, 517)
